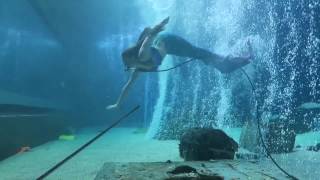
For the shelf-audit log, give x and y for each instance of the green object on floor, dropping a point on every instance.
(140, 131)
(65, 137)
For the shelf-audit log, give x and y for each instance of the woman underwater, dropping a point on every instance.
(151, 48)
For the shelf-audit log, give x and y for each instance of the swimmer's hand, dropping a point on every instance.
(111, 107)
(165, 21)
(250, 49)
(160, 27)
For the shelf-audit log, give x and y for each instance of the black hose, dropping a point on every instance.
(86, 144)
(163, 70)
(259, 128)
(174, 67)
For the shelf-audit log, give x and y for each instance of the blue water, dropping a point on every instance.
(285, 69)
(67, 56)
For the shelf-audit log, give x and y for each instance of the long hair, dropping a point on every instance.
(132, 53)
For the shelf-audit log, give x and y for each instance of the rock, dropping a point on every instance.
(309, 148)
(185, 172)
(280, 137)
(183, 169)
(249, 138)
(203, 144)
(312, 148)
(315, 148)
(278, 134)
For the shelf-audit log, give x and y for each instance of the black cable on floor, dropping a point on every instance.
(259, 128)
(87, 144)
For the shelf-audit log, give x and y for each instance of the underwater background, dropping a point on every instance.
(68, 54)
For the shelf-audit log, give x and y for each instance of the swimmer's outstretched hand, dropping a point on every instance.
(249, 56)
(165, 21)
(160, 27)
(111, 107)
(250, 49)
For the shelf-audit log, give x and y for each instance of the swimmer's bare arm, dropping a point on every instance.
(144, 51)
(125, 90)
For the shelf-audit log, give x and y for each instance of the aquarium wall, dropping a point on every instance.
(63, 57)
(69, 53)
(29, 52)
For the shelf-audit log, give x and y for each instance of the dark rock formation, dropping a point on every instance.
(182, 169)
(315, 148)
(280, 137)
(202, 144)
